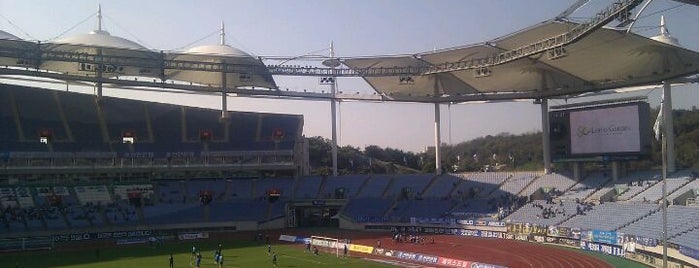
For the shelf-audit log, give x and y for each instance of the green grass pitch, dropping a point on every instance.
(239, 254)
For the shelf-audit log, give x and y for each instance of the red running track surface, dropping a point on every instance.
(510, 253)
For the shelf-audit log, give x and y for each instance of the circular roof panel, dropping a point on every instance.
(101, 39)
(218, 50)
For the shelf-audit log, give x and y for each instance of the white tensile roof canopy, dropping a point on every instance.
(7, 36)
(604, 59)
(598, 59)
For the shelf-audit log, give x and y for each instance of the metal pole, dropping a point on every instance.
(333, 113)
(224, 94)
(668, 164)
(663, 201)
(437, 140)
(668, 126)
(545, 135)
(224, 82)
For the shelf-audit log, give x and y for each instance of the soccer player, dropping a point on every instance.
(194, 251)
(274, 259)
(269, 249)
(172, 261)
(308, 246)
(198, 262)
(220, 261)
(344, 250)
(315, 250)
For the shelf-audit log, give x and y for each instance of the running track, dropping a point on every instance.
(510, 253)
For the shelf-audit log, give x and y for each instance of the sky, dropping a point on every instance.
(357, 28)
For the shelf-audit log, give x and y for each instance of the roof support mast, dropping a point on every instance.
(224, 82)
(99, 17)
(333, 111)
(668, 135)
(100, 66)
(437, 139)
(546, 142)
(437, 131)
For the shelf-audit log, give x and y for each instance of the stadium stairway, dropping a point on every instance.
(64, 120)
(140, 215)
(268, 214)
(642, 191)
(430, 184)
(530, 185)
(683, 232)
(295, 187)
(321, 188)
(361, 187)
(253, 189)
(521, 192)
(223, 196)
(673, 191)
(183, 190)
(105, 219)
(387, 190)
(101, 121)
(495, 189)
(456, 187)
(638, 219)
(64, 217)
(394, 204)
(597, 190)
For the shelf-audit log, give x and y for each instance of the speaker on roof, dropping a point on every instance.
(205, 135)
(45, 135)
(273, 195)
(278, 134)
(128, 136)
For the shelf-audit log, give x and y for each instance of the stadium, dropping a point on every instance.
(91, 180)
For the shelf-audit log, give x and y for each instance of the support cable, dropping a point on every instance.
(18, 28)
(71, 28)
(127, 31)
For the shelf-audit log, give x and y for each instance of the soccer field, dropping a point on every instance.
(239, 254)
